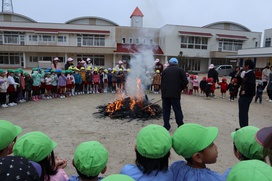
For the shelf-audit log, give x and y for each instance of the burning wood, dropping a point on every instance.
(131, 108)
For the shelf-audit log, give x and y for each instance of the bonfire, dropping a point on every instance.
(138, 107)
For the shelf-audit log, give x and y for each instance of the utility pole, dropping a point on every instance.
(7, 6)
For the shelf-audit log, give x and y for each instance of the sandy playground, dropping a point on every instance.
(71, 121)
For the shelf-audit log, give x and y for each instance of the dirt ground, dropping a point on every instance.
(71, 121)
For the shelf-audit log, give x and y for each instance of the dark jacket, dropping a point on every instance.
(269, 82)
(173, 81)
(248, 86)
(28, 83)
(67, 65)
(214, 74)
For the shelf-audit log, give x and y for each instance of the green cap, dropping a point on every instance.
(191, 138)
(246, 144)
(118, 177)
(53, 71)
(10, 71)
(26, 73)
(2, 71)
(35, 69)
(17, 71)
(63, 71)
(8, 132)
(34, 146)
(153, 141)
(20, 70)
(48, 73)
(90, 158)
(250, 170)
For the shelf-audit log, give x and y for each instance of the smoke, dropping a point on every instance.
(140, 64)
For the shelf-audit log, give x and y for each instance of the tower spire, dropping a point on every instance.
(7, 6)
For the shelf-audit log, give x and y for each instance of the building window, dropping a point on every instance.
(230, 45)
(47, 38)
(33, 38)
(62, 39)
(130, 40)
(256, 44)
(151, 41)
(98, 60)
(267, 42)
(123, 40)
(91, 40)
(33, 59)
(144, 41)
(48, 58)
(192, 42)
(137, 41)
(10, 58)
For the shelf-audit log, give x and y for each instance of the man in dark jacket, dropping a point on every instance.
(172, 83)
(247, 92)
(212, 73)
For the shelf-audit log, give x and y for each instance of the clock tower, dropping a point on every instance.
(137, 18)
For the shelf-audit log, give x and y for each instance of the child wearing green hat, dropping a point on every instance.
(38, 147)
(196, 144)
(12, 89)
(250, 170)
(3, 88)
(90, 159)
(152, 149)
(36, 75)
(8, 136)
(118, 177)
(245, 146)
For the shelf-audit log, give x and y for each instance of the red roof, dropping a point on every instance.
(54, 30)
(195, 33)
(137, 12)
(232, 36)
(135, 48)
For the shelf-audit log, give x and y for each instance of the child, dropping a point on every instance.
(157, 82)
(250, 170)
(89, 80)
(38, 147)
(36, 75)
(259, 92)
(245, 146)
(202, 85)
(21, 95)
(195, 85)
(69, 83)
(19, 168)
(233, 89)
(190, 84)
(120, 80)
(208, 87)
(196, 144)
(3, 88)
(83, 77)
(101, 76)
(96, 80)
(109, 79)
(42, 87)
(54, 78)
(78, 81)
(18, 86)
(48, 85)
(90, 159)
(28, 86)
(118, 177)
(8, 135)
(152, 149)
(223, 87)
(12, 89)
(62, 84)
(114, 80)
(105, 80)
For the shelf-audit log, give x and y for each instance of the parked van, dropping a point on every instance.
(223, 70)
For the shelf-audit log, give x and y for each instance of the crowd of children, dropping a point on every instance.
(34, 159)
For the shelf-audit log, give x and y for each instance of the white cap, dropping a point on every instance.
(82, 61)
(211, 66)
(70, 59)
(88, 59)
(56, 58)
(120, 62)
(157, 60)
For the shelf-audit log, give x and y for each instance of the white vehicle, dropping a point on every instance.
(223, 70)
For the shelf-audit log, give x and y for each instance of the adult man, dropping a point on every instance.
(247, 92)
(172, 83)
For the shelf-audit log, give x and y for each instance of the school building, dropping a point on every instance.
(27, 43)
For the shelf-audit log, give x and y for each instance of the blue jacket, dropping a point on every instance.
(78, 79)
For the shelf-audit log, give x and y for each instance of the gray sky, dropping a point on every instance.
(254, 14)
